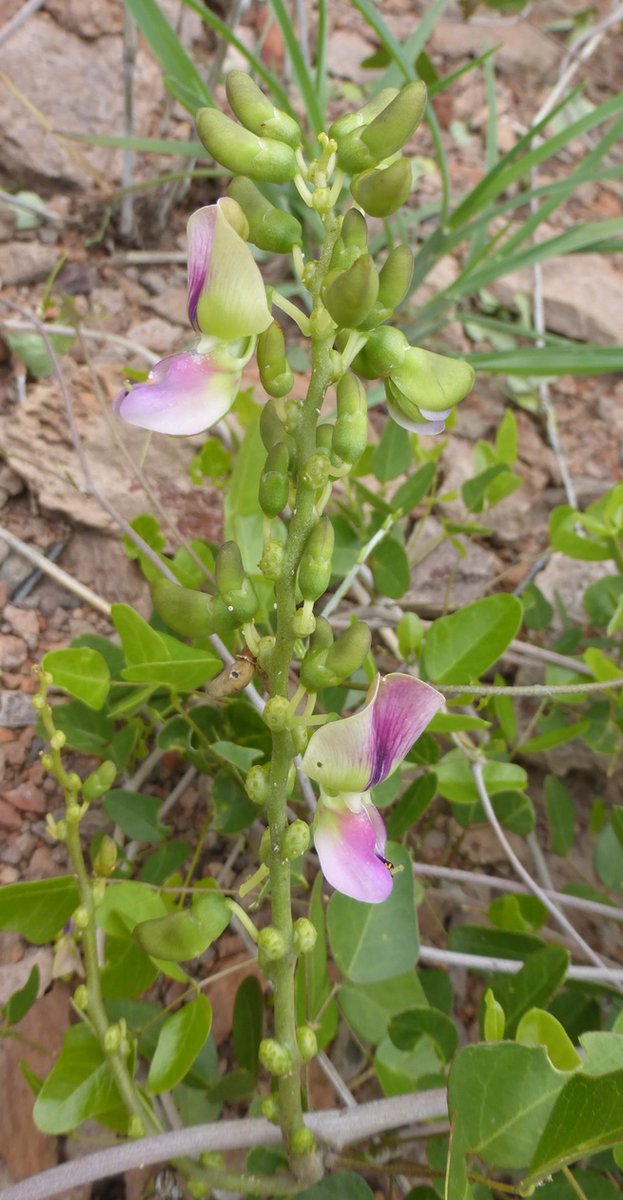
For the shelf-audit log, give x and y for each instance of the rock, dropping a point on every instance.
(444, 580)
(8, 875)
(171, 305)
(12, 651)
(9, 818)
(26, 798)
(25, 262)
(523, 512)
(14, 569)
(158, 335)
(347, 50)
(520, 47)
(87, 18)
(42, 864)
(77, 84)
(23, 623)
(583, 296)
(567, 579)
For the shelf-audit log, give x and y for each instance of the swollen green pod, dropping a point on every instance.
(275, 481)
(315, 568)
(242, 152)
(257, 113)
(349, 295)
(350, 433)
(270, 228)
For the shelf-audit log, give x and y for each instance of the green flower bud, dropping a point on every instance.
(229, 571)
(350, 433)
(429, 381)
(47, 762)
(191, 613)
(295, 840)
(314, 673)
(305, 935)
(99, 781)
(81, 998)
(303, 621)
(302, 1142)
(350, 650)
(363, 116)
(382, 190)
(265, 846)
(354, 231)
(316, 470)
(393, 127)
(256, 784)
(112, 1039)
(105, 860)
(270, 228)
(242, 152)
(275, 374)
(269, 1108)
(315, 568)
(385, 350)
(275, 481)
(324, 437)
(256, 112)
(81, 918)
(271, 562)
(322, 637)
(197, 1188)
(275, 1057)
(395, 276)
(277, 713)
(271, 943)
(212, 1159)
(264, 654)
(410, 633)
(57, 741)
(74, 814)
(271, 425)
(349, 295)
(300, 737)
(307, 1042)
(136, 1129)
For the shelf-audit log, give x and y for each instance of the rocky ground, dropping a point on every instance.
(132, 287)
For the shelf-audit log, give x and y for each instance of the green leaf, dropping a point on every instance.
(466, 643)
(169, 51)
(494, 1021)
(301, 72)
(184, 671)
(369, 1007)
(600, 599)
(371, 942)
(563, 535)
(406, 1029)
(127, 971)
(455, 780)
(22, 1001)
(39, 909)
(413, 491)
(248, 1023)
(182, 935)
(80, 1085)
(233, 811)
(31, 349)
(181, 1038)
(577, 359)
(393, 455)
(608, 859)
(81, 672)
(412, 805)
(242, 757)
(537, 611)
(554, 737)
(474, 490)
(401, 1071)
(141, 643)
(390, 568)
(540, 1028)
(587, 1116)
(560, 815)
(518, 912)
(498, 943)
(341, 1186)
(136, 814)
(125, 904)
(164, 862)
(312, 982)
(533, 986)
(166, 146)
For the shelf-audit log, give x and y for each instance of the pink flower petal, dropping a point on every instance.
(427, 428)
(183, 394)
(349, 845)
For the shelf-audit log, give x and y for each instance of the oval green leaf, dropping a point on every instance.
(462, 646)
(181, 1038)
(81, 672)
(376, 941)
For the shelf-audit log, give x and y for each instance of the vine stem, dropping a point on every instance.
(303, 520)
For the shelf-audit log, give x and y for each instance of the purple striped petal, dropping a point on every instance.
(350, 847)
(359, 752)
(226, 294)
(183, 394)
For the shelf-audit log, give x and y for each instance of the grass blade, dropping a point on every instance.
(574, 358)
(322, 43)
(141, 145)
(301, 72)
(573, 241)
(169, 51)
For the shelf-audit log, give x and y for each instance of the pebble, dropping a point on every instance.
(26, 797)
(13, 651)
(23, 623)
(42, 864)
(9, 818)
(8, 875)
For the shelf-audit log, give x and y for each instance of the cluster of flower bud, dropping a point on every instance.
(328, 663)
(197, 614)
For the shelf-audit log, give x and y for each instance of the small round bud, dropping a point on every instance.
(303, 622)
(81, 998)
(315, 567)
(295, 840)
(74, 813)
(275, 1057)
(410, 633)
(305, 935)
(265, 649)
(316, 470)
(293, 411)
(271, 943)
(270, 1108)
(47, 762)
(300, 738)
(197, 1188)
(81, 918)
(58, 739)
(213, 1159)
(38, 702)
(112, 1039)
(321, 200)
(136, 1129)
(277, 713)
(61, 830)
(307, 1042)
(271, 562)
(105, 860)
(74, 781)
(302, 1142)
(256, 784)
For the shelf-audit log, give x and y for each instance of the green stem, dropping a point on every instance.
(303, 520)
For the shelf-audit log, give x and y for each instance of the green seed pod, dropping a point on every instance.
(264, 653)
(99, 781)
(356, 120)
(349, 295)
(277, 713)
(275, 374)
(295, 840)
(275, 1057)
(314, 673)
(324, 437)
(316, 470)
(275, 481)
(271, 562)
(191, 613)
(307, 1042)
(384, 352)
(354, 232)
(271, 425)
(350, 433)
(350, 650)
(302, 1142)
(322, 637)
(395, 276)
(256, 112)
(305, 935)
(271, 944)
(256, 784)
(315, 568)
(393, 127)
(105, 860)
(270, 228)
(410, 633)
(382, 190)
(228, 569)
(242, 152)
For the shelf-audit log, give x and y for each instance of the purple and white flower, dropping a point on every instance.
(348, 758)
(183, 394)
